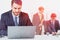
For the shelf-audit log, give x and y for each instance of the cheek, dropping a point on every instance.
(42, 10)
(19, 10)
(13, 10)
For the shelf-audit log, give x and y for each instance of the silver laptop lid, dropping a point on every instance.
(21, 31)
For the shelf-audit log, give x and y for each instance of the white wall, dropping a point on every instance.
(30, 7)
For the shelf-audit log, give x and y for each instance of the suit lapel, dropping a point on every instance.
(20, 19)
(11, 18)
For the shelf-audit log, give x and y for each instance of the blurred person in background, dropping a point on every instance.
(53, 24)
(38, 19)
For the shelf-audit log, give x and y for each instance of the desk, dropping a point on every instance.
(37, 37)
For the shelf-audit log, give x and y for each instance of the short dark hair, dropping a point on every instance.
(16, 1)
(53, 15)
(41, 8)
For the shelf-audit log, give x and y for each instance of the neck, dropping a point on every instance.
(14, 14)
(53, 20)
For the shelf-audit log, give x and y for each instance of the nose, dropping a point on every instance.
(17, 10)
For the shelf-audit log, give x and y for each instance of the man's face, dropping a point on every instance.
(53, 18)
(16, 9)
(41, 10)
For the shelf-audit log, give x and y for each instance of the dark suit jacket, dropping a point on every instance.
(7, 20)
(51, 28)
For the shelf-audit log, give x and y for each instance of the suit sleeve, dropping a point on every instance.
(28, 23)
(3, 29)
(33, 20)
(3, 24)
(57, 25)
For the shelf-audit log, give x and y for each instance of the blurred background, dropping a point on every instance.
(31, 7)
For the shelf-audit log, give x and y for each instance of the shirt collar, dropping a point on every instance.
(14, 15)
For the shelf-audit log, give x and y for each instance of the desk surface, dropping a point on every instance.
(37, 37)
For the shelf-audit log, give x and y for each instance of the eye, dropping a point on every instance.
(19, 8)
(15, 8)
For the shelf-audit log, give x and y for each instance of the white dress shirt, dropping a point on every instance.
(14, 18)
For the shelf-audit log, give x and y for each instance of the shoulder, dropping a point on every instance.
(36, 14)
(56, 21)
(49, 21)
(24, 14)
(6, 13)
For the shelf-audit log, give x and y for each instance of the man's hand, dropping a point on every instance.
(53, 33)
(40, 25)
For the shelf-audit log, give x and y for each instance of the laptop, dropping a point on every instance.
(17, 32)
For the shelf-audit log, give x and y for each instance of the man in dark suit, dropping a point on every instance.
(53, 24)
(15, 17)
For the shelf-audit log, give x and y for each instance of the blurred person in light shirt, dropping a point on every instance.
(38, 20)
